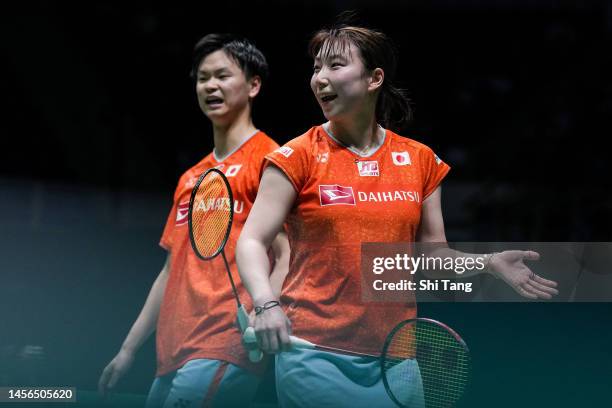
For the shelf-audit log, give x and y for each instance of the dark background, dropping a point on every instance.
(100, 119)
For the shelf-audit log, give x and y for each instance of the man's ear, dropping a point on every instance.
(376, 79)
(254, 86)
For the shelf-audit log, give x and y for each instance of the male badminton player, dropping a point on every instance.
(200, 358)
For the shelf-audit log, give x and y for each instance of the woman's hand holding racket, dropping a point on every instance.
(273, 329)
(271, 333)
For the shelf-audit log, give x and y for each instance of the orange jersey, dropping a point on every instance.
(198, 312)
(344, 199)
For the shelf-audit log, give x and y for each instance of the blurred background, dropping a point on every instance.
(100, 118)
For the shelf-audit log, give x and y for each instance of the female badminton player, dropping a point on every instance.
(347, 181)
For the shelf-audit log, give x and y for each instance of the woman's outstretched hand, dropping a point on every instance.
(510, 266)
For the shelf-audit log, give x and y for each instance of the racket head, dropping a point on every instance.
(424, 352)
(211, 212)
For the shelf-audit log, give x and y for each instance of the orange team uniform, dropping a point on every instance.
(198, 312)
(344, 199)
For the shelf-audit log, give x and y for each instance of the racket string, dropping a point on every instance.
(442, 365)
(211, 215)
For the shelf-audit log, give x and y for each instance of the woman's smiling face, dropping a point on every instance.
(339, 81)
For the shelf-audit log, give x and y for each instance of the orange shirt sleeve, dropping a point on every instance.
(434, 171)
(166, 240)
(294, 160)
(255, 175)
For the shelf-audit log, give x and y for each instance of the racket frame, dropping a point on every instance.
(192, 198)
(255, 355)
(389, 338)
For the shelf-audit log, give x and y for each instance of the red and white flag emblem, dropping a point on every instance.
(401, 158)
(333, 194)
(233, 170)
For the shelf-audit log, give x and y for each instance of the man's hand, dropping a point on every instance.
(114, 371)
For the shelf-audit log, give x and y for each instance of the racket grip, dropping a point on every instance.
(255, 355)
(250, 342)
(248, 336)
(243, 319)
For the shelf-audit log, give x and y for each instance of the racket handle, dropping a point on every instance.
(296, 342)
(243, 319)
(255, 355)
(248, 336)
(250, 342)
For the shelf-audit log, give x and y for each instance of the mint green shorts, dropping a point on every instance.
(203, 382)
(312, 378)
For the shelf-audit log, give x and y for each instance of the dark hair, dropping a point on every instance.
(241, 50)
(393, 106)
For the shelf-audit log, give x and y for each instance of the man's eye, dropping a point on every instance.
(316, 68)
(336, 64)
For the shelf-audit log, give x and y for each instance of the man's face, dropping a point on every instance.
(222, 88)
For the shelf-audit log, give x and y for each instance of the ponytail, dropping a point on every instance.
(393, 108)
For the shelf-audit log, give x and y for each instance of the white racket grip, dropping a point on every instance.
(248, 336)
(243, 319)
(296, 342)
(250, 341)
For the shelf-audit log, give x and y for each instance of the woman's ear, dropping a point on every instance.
(376, 79)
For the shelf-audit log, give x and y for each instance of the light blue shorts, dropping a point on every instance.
(311, 378)
(204, 382)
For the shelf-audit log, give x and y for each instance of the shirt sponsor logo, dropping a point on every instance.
(238, 206)
(323, 157)
(401, 158)
(182, 210)
(233, 170)
(212, 204)
(217, 204)
(333, 194)
(368, 168)
(285, 151)
(385, 196)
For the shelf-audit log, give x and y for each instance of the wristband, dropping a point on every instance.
(268, 305)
